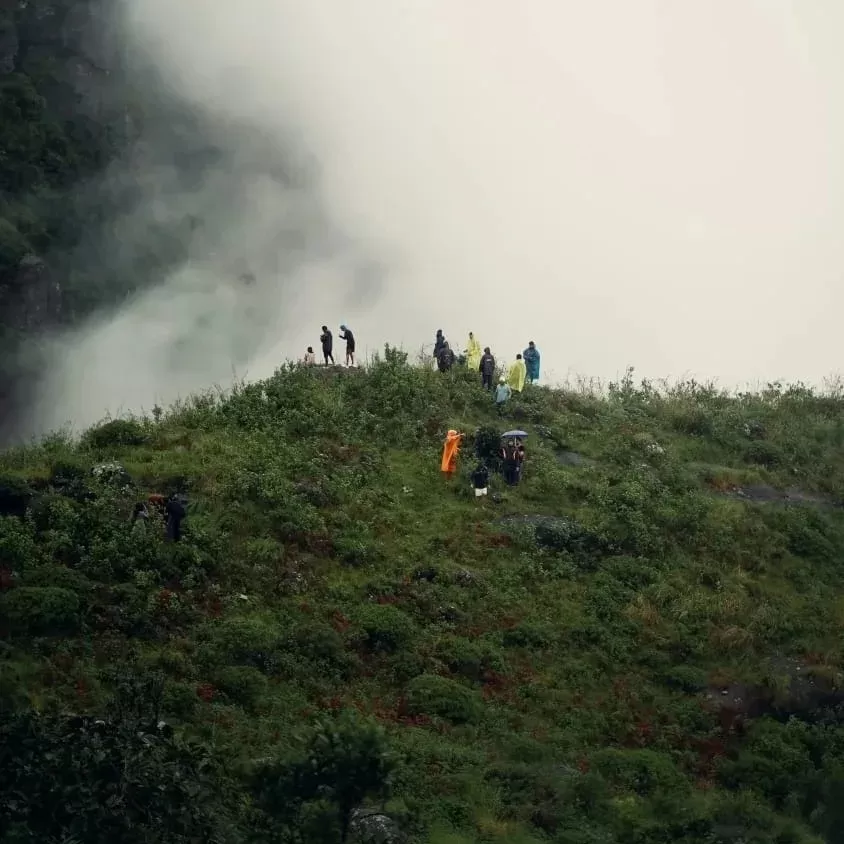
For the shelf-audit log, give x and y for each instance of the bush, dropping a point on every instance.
(15, 495)
(57, 576)
(36, 609)
(444, 698)
(528, 635)
(385, 628)
(17, 546)
(117, 432)
(318, 643)
(179, 700)
(241, 684)
(470, 659)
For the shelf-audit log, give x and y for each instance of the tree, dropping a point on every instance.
(344, 761)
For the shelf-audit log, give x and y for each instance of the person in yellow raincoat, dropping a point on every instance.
(450, 451)
(516, 375)
(473, 353)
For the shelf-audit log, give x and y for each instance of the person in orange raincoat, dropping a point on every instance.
(450, 451)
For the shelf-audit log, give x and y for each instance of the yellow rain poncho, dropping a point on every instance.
(516, 375)
(473, 353)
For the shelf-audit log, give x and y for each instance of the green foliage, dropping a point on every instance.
(116, 433)
(80, 779)
(443, 698)
(40, 609)
(342, 762)
(644, 647)
(384, 628)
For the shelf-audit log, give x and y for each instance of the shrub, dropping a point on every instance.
(528, 635)
(319, 643)
(242, 684)
(57, 576)
(444, 698)
(17, 546)
(763, 453)
(15, 495)
(241, 641)
(117, 432)
(37, 609)
(470, 659)
(179, 700)
(385, 628)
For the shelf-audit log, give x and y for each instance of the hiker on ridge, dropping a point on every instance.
(439, 342)
(445, 360)
(349, 337)
(531, 357)
(487, 369)
(502, 395)
(517, 374)
(473, 353)
(310, 357)
(327, 340)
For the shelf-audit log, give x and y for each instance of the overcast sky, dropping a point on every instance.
(656, 183)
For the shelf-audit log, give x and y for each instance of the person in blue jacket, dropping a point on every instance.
(531, 358)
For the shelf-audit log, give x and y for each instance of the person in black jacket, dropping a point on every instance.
(439, 342)
(175, 510)
(445, 359)
(327, 340)
(487, 369)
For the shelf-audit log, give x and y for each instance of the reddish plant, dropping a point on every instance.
(206, 692)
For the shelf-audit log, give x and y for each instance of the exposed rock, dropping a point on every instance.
(573, 458)
(765, 494)
(374, 828)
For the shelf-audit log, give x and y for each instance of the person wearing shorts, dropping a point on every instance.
(349, 337)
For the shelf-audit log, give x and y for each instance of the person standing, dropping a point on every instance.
(480, 480)
(439, 342)
(517, 374)
(451, 448)
(487, 369)
(502, 395)
(473, 353)
(349, 337)
(327, 340)
(531, 357)
(445, 360)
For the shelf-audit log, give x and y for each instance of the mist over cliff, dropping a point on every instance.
(625, 184)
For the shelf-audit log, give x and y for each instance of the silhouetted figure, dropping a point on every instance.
(445, 359)
(487, 369)
(176, 512)
(327, 340)
(349, 337)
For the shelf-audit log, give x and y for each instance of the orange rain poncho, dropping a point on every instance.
(450, 451)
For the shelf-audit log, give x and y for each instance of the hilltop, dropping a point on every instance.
(640, 643)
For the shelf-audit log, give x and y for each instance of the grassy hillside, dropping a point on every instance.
(641, 643)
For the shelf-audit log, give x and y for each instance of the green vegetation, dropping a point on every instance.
(641, 643)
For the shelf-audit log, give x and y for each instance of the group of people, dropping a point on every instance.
(525, 369)
(511, 455)
(326, 339)
(171, 509)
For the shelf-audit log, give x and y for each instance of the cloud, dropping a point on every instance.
(655, 184)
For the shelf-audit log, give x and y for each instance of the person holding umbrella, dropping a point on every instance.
(513, 455)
